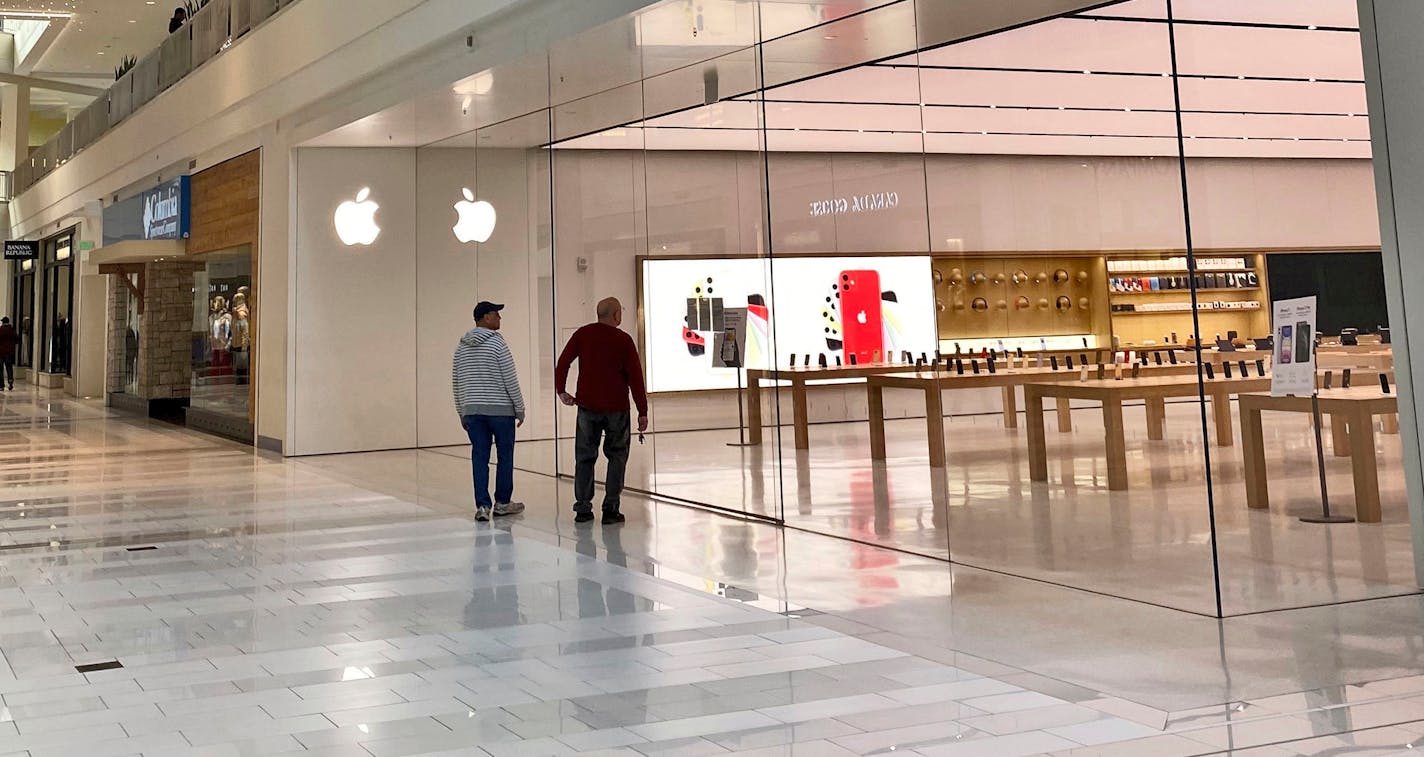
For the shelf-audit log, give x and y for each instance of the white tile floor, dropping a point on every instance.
(349, 606)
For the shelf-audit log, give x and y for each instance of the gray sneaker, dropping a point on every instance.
(509, 508)
(482, 513)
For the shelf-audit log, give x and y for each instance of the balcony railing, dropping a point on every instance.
(210, 31)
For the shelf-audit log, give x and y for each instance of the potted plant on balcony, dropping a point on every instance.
(124, 66)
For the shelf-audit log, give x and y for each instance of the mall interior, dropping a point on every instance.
(1025, 377)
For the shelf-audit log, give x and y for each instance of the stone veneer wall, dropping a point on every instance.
(118, 323)
(166, 339)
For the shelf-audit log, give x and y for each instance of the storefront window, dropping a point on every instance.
(23, 310)
(1002, 299)
(133, 329)
(57, 334)
(223, 338)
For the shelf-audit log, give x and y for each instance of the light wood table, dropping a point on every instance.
(1352, 414)
(798, 378)
(1152, 390)
(933, 383)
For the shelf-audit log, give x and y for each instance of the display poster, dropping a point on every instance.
(1293, 330)
(730, 347)
(804, 308)
(21, 249)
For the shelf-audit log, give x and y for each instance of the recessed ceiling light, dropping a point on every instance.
(1312, 27)
(133, 21)
(1087, 72)
(1312, 78)
(829, 36)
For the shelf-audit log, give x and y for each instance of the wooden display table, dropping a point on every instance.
(932, 383)
(1352, 414)
(1153, 390)
(798, 377)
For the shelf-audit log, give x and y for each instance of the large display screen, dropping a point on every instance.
(840, 309)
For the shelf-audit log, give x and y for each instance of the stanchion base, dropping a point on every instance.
(1327, 519)
(742, 444)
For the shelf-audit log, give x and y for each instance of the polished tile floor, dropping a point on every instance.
(165, 593)
(1152, 543)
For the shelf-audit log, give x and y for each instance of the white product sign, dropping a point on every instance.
(1293, 365)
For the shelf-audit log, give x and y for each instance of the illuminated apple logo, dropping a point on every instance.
(476, 222)
(356, 221)
(861, 317)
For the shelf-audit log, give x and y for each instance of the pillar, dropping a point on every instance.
(1394, 66)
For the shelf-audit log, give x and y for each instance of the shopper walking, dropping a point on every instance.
(609, 369)
(490, 405)
(180, 17)
(9, 340)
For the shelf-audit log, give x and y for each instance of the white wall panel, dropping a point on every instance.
(445, 270)
(354, 358)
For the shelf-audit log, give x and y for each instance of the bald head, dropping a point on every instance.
(610, 311)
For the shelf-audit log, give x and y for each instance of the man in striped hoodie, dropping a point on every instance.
(490, 406)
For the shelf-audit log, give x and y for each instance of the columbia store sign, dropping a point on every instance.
(158, 213)
(866, 203)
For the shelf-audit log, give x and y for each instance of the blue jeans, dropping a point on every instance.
(484, 431)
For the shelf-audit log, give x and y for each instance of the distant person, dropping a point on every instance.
(609, 369)
(490, 406)
(180, 17)
(9, 340)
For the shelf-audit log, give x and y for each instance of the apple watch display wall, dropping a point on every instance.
(863, 310)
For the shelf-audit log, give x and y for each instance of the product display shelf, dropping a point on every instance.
(1133, 326)
(1180, 292)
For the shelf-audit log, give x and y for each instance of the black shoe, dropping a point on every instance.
(583, 517)
(610, 519)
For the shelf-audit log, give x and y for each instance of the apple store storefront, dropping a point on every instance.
(1060, 301)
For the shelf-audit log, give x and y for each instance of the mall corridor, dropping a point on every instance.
(166, 593)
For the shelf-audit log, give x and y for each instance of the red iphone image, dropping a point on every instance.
(862, 323)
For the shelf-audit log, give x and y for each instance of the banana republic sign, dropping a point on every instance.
(21, 250)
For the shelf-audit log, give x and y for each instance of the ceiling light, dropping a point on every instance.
(1312, 78)
(1087, 72)
(1312, 27)
(1241, 77)
(829, 37)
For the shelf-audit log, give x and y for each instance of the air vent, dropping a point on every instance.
(110, 665)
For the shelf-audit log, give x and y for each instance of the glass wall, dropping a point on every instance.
(1004, 299)
(223, 335)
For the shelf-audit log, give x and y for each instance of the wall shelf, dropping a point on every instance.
(1184, 291)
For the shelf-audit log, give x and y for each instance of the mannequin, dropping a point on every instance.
(241, 336)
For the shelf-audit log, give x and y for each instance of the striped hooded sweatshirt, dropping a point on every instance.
(484, 378)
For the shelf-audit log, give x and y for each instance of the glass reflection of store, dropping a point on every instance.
(22, 311)
(223, 303)
(57, 327)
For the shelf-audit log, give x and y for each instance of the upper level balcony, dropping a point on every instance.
(211, 30)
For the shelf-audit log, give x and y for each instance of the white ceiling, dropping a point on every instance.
(99, 33)
(1255, 80)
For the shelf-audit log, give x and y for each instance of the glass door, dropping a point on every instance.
(23, 314)
(56, 322)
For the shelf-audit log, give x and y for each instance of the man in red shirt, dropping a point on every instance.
(609, 369)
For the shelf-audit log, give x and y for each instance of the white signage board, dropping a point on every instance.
(1293, 365)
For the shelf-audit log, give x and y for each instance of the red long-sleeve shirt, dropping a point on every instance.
(609, 369)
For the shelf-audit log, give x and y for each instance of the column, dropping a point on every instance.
(1389, 35)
